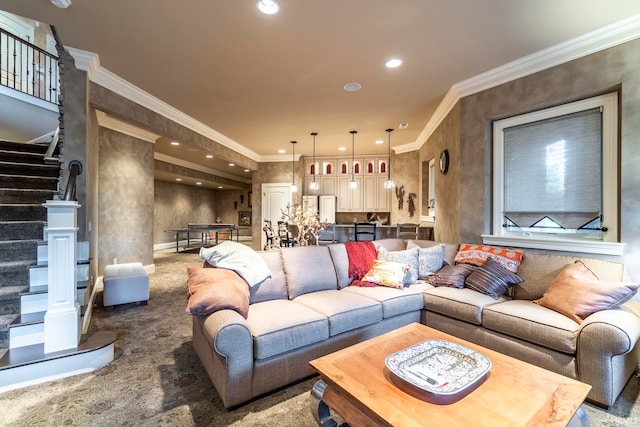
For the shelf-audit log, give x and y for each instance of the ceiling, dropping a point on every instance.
(263, 81)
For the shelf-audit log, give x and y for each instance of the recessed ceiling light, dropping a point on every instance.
(352, 87)
(247, 170)
(178, 179)
(232, 164)
(220, 186)
(393, 63)
(281, 151)
(268, 7)
(209, 156)
(342, 148)
(175, 143)
(198, 183)
(379, 141)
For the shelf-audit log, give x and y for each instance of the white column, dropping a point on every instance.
(62, 321)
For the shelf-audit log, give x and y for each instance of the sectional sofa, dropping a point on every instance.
(308, 309)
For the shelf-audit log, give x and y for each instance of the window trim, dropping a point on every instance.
(609, 244)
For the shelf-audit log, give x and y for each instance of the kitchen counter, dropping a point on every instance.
(344, 232)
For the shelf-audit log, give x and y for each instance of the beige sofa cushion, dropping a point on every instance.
(462, 304)
(276, 333)
(346, 311)
(539, 270)
(276, 286)
(308, 269)
(533, 323)
(394, 301)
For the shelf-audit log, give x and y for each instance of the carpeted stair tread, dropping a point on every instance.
(11, 292)
(22, 211)
(18, 251)
(26, 195)
(27, 169)
(8, 180)
(21, 157)
(21, 230)
(6, 320)
(39, 147)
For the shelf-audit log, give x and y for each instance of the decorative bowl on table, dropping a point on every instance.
(438, 371)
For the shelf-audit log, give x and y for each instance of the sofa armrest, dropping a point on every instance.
(607, 352)
(224, 345)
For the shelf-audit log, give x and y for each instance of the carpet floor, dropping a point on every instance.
(157, 380)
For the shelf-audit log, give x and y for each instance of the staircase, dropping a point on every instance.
(26, 182)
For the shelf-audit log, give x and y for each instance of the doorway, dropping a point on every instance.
(275, 198)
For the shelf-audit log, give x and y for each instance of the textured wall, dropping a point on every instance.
(176, 205)
(125, 199)
(405, 170)
(602, 72)
(447, 187)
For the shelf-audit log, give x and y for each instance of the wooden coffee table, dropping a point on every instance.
(356, 384)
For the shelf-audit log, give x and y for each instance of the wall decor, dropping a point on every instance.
(444, 162)
(400, 196)
(242, 199)
(244, 218)
(412, 205)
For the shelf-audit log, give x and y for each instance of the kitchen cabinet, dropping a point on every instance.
(349, 200)
(327, 205)
(376, 197)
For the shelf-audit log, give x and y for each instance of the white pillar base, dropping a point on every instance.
(62, 329)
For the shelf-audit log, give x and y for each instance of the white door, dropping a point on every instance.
(275, 198)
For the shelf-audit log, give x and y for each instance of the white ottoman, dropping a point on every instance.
(125, 283)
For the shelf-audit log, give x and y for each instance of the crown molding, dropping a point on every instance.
(85, 60)
(110, 122)
(586, 44)
(603, 38)
(90, 62)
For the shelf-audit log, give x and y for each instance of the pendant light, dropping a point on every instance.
(294, 187)
(353, 184)
(313, 185)
(389, 184)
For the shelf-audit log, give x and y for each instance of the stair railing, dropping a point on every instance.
(75, 169)
(27, 68)
(48, 156)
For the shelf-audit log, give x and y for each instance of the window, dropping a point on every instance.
(555, 182)
(428, 185)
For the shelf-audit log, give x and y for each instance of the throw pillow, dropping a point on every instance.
(478, 254)
(239, 258)
(577, 292)
(492, 278)
(213, 289)
(452, 276)
(430, 259)
(408, 257)
(387, 273)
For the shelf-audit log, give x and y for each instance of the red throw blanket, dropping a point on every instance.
(361, 256)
